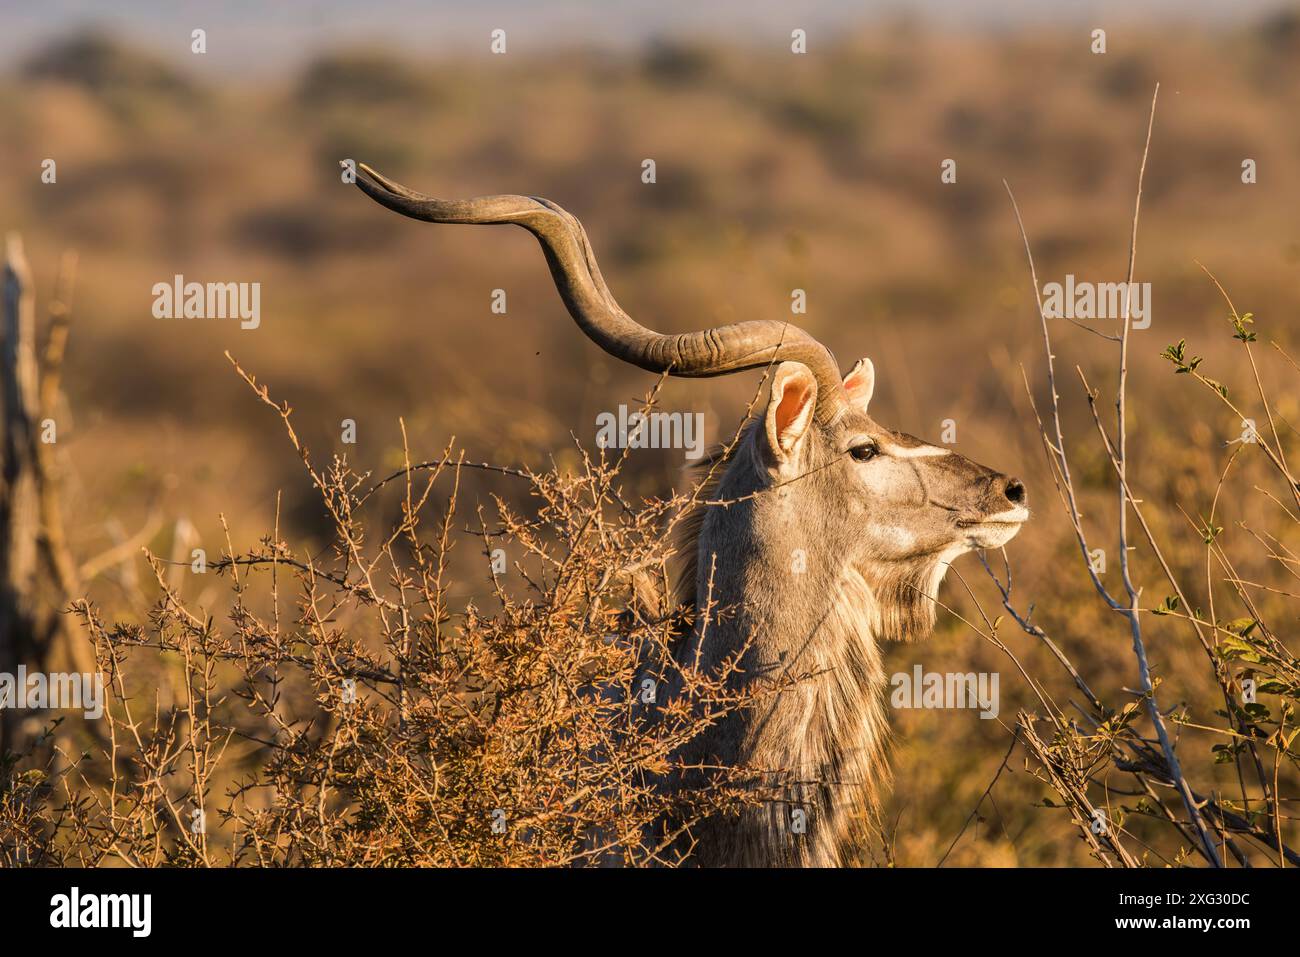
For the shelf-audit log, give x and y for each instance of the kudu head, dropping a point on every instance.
(876, 502)
(882, 505)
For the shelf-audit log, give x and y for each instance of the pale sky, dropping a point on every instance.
(258, 37)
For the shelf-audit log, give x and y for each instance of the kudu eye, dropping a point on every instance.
(865, 452)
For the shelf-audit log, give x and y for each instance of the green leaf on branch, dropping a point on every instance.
(1168, 606)
(1240, 323)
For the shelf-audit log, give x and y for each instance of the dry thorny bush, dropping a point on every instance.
(1238, 626)
(1115, 766)
(375, 726)
(1083, 756)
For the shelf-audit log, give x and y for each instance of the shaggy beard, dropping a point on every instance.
(905, 597)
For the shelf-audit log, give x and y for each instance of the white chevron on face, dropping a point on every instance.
(915, 452)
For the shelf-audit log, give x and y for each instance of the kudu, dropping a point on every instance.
(839, 536)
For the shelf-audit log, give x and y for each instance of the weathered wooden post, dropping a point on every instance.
(37, 576)
(18, 488)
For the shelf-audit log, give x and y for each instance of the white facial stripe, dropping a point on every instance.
(915, 452)
(946, 558)
(1017, 514)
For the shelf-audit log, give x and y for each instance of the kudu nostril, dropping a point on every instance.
(1015, 491)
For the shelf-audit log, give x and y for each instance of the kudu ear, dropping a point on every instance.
(859, 383)
(789, 411)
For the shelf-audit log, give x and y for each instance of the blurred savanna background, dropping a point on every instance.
(774, 172)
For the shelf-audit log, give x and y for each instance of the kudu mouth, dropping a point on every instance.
(1011, 516)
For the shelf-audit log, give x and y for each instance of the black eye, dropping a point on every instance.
(865, 452)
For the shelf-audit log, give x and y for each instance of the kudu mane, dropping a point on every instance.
(706, 477)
